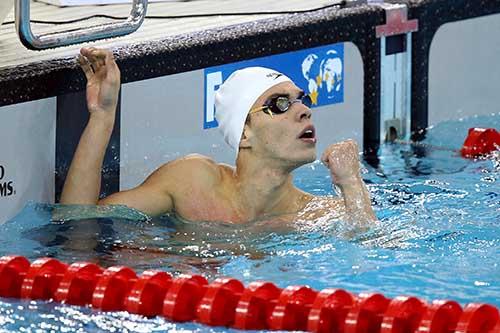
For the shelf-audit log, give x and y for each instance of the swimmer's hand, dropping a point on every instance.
(343, 162)
(103, 81)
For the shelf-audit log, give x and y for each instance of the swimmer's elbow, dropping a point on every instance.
(146, 199)
(102, 202)
(113, 199)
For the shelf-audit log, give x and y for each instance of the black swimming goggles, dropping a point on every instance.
(281, 104)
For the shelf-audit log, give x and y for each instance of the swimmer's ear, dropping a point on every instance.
(246, 137)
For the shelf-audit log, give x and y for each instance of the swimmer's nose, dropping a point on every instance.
(304, 112)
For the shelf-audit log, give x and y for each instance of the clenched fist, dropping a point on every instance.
(343, 161)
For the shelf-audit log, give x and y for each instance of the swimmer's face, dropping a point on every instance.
(289, 136)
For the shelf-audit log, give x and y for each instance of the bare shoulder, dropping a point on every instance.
(191, 168)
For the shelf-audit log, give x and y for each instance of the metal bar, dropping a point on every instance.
(395, 72)
(64, 38)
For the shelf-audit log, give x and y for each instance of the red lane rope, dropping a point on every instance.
(479, 142)
(227, 302)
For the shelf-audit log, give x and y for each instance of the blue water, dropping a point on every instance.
(439, 239)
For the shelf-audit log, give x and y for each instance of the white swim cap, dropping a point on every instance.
(236, 96)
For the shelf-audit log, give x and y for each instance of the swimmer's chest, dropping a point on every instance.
(196, 204)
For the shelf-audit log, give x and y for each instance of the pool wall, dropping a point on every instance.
(455, 73)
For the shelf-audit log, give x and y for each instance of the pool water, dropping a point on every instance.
(439, 238)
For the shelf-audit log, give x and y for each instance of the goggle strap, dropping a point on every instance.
(268, 111)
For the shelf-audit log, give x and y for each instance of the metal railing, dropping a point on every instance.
(69, 37)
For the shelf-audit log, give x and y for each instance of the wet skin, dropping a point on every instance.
(196, 188)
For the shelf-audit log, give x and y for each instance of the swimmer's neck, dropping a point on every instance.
(264, 187)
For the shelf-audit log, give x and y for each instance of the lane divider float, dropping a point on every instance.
(479, 142)
(227, 302)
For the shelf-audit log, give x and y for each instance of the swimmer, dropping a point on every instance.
(264, 116)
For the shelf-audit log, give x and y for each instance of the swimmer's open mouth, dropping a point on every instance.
(308, 134)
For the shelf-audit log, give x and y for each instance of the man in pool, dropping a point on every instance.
(264, 116)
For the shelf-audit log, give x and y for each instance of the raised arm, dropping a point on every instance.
(83, 182)
(158, 193)
(343, 162)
